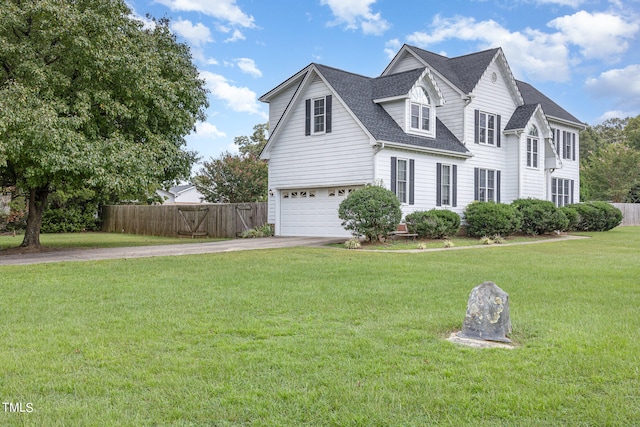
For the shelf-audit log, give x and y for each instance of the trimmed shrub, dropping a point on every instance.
(433, 224)
(490, 219)
(69, 220)
(371, 211)
(597, 216)
(573, 217)
(539, 216)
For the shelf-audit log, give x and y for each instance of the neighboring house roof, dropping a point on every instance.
(176, 190)
(532, 95)
(359, 92)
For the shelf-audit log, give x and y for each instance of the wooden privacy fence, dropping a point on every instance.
(211, 220)
(630, 213)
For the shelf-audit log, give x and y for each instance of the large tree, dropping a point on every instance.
(611, 173)
(89, 97)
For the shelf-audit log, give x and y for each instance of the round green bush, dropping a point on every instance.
(490, 219)
(433, 224)
(573, 217)
(597, 216)
(371, 211)
(539, 216)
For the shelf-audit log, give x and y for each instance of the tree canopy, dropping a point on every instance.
(610, 161)
(237, 178)
(89, 97)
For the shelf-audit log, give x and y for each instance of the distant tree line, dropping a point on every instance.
(610, 161)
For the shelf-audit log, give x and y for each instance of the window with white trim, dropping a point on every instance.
(561, 191)
(486, 185)
(487, 130)
(445, 185)
(401, 180)
(319, 115)
(532, 148)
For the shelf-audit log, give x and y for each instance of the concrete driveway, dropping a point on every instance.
(164, 250)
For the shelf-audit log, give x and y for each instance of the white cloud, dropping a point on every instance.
(248, 66)
(599, 35)
(225, 10)
(622, 86)
(239, 99)
(538, 55)
(391, 47)
(357, 14)
(206, 129)
(196, 35)
(235, 36)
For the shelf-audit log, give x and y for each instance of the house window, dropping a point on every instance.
(446, 185)
(568, 145)
(561, 191)
(318, 115)
(532, 148)
(487, 185)
(420, 117)
(401, 181)
(487, 128)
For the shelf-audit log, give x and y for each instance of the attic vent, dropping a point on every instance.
(494, 77)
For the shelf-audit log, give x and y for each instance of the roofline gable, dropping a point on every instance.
(309, 72)
(501, 60)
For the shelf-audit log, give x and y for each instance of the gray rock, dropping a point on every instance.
(487, 314)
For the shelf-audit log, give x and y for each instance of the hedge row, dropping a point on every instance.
(534, 217)
(528, 216)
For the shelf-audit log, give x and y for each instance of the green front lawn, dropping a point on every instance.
(96, 240)
(313, 336)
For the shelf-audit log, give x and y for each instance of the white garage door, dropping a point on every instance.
(312, 212)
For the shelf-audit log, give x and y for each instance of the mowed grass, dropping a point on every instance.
(97, 240)
(324, 337)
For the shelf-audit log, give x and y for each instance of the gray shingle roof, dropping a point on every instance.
(521, 117)
(358, 92)
(463, 71)
(532, 95)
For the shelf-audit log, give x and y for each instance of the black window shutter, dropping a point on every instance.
(558, 142)
(498, 133)
(564, 143)
(438, 184)
(571, 192)
(498, 186)
(573, 146)
(412, 164)
(307, 117)
(477, 128)
(394, 164)
(476, 182)
(328, 113)
(454, 186)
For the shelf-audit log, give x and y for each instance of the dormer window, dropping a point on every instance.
(421, 114)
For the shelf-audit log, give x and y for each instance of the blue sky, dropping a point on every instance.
(584, 54)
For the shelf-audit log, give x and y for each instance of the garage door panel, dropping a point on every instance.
(312, 212)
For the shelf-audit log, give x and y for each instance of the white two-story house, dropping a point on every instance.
(439, 132)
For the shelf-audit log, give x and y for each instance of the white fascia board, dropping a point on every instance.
(580, 126)
(428, 150)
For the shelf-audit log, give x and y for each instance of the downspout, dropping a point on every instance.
(467, 100)
(379, 146)
(519, 135)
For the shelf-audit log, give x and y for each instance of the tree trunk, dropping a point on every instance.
(37, 203)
